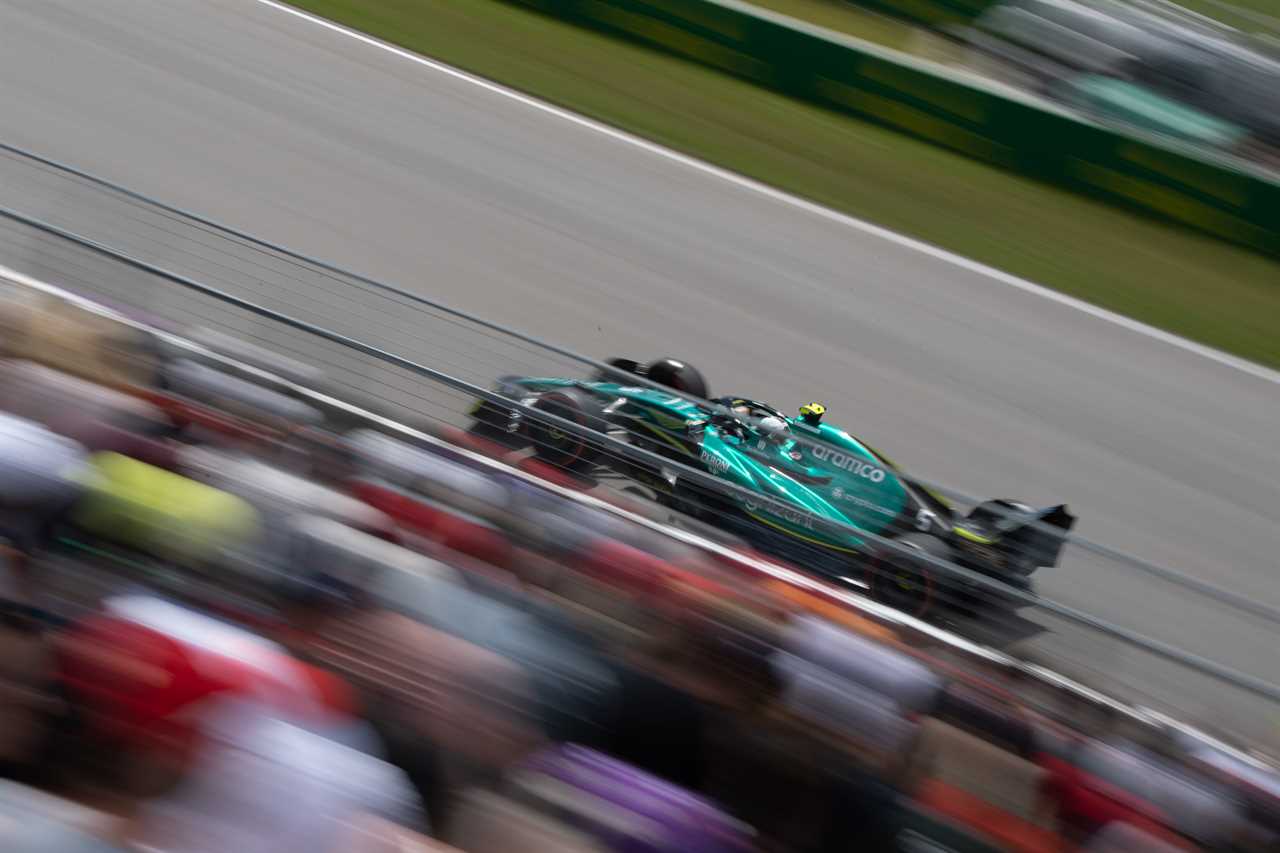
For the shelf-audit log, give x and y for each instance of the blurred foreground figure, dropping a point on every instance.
(207, 738)
(259, 783)
(454, 712)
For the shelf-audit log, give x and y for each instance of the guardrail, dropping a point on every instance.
(996, 670)
(57, 181)
(79, 191)
(127, 249)
(1222, 197)
(1205, 758)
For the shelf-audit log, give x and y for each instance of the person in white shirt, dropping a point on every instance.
(262, 784)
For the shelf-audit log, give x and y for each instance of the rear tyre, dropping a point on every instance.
(678, 375)
(557, 446)
(621, 366)
(903, 581)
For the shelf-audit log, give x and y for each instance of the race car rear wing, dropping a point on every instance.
(1036, 541)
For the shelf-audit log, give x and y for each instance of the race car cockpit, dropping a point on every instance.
(764, 427)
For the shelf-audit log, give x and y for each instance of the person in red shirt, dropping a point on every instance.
(209, 738)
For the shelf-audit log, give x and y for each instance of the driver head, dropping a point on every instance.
(774, 429)
(812, 413)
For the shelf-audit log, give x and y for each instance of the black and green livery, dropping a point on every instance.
(814, 494)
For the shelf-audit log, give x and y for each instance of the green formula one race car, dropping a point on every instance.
(802, 489)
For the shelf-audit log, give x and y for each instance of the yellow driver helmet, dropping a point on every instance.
(812, 413)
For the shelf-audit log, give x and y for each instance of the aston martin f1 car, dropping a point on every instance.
(802, 489)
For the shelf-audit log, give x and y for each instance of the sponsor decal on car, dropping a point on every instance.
(852, 464)
(857, 500)
(792, 516)
(715, 463)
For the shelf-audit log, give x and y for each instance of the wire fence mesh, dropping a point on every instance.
(397, 354)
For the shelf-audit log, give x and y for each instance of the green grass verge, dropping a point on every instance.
(1162, 274)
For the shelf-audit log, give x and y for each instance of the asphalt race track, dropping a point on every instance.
(359, 156)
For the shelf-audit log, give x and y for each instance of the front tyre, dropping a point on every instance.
(493, 423)
(554, 444)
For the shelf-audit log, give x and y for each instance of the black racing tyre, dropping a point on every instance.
(622, 367)
(557, 446)
(678, 375)
(491, 423)
(902, 582)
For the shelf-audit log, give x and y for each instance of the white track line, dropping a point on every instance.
(1256, 370)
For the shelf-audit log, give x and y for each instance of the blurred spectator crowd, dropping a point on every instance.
(233, 621)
